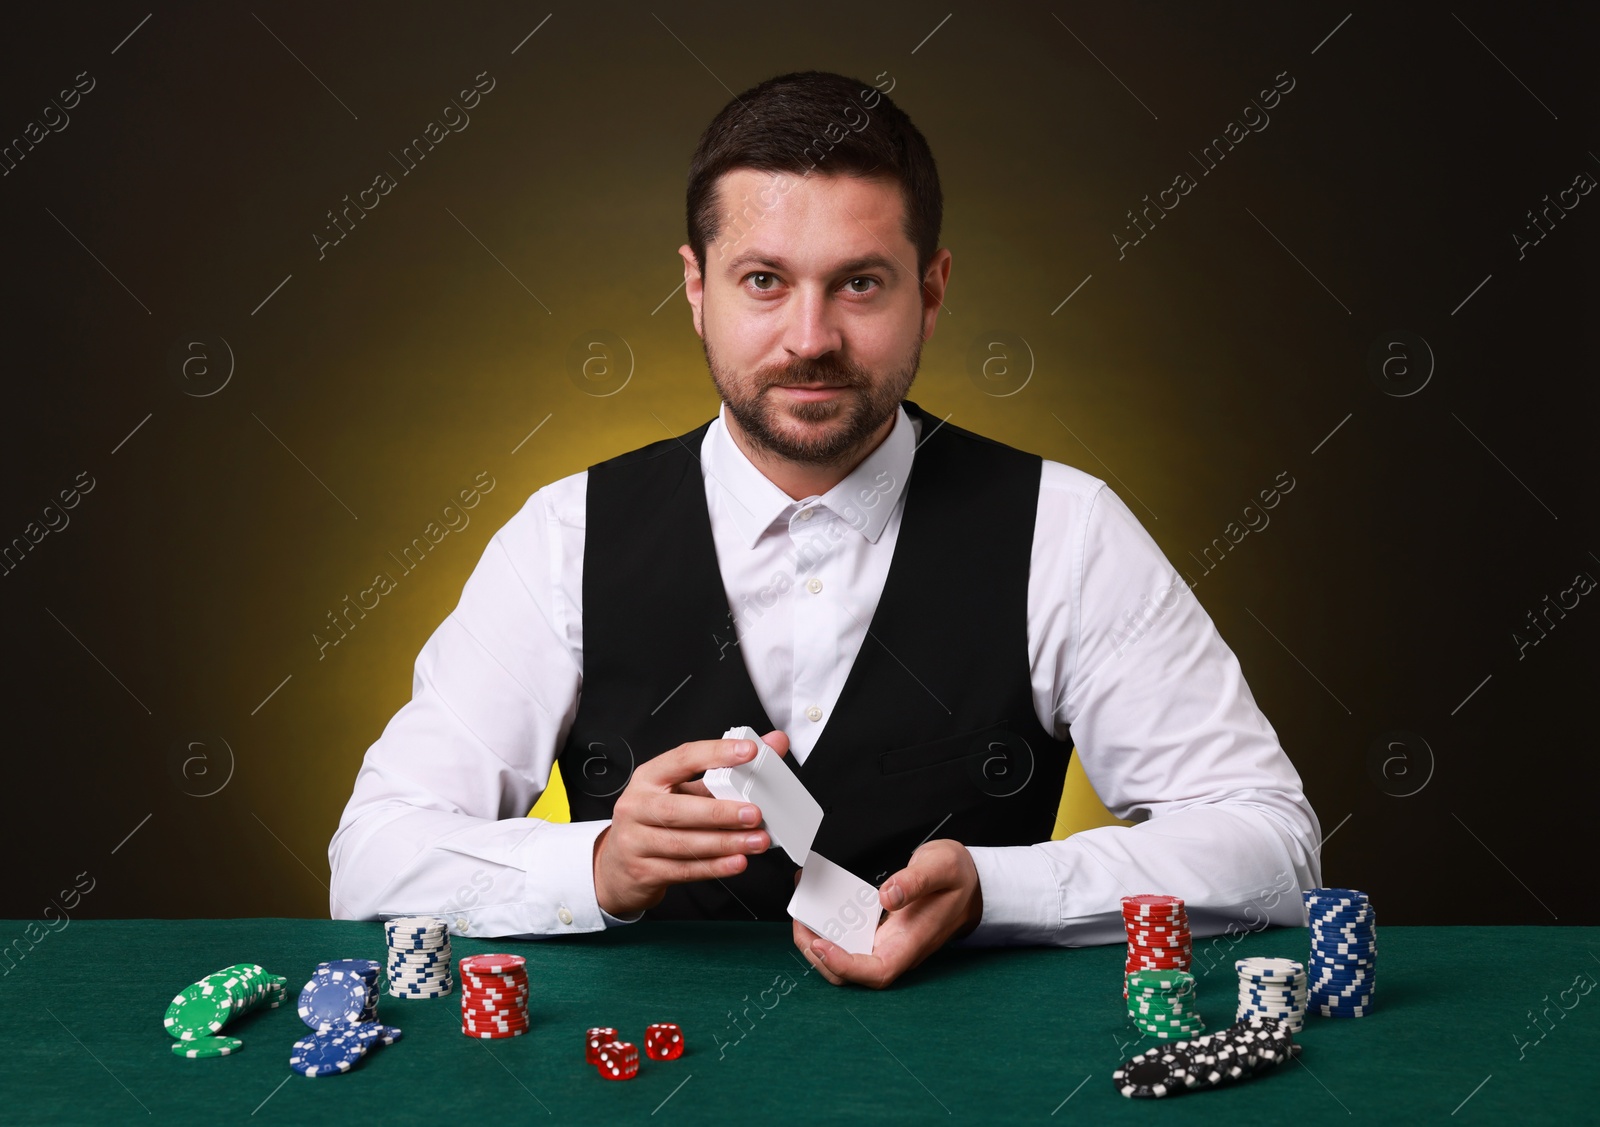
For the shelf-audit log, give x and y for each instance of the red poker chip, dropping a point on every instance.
(1159, 952)
(495, 988)
(493, 1011)
(498, 981)
(1156, 964)
(493, 1034)
(493, 964)
(490, 1023)
(1151, 900)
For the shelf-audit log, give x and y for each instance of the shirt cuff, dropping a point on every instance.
(1021, 897)
(555, 863)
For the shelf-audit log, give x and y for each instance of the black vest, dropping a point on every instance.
(934, 733)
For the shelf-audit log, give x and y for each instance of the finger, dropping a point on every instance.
(777, 740)
(930, 871)
(691, 760)
(695, 845)
(804, 937)
(692, 812)
(867, 970)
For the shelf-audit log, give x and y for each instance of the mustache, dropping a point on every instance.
(822, 370)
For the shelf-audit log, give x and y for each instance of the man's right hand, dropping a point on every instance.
(666, 828)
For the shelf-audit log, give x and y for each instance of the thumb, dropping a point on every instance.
(905, 887)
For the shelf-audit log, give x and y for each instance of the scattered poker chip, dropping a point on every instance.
(206, 1047)
(1250, 1047)
(328, 1052)
(1148, 1078)
(200, 1011)
(333, 998)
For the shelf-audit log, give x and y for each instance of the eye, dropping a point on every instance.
(761, 274)
(869, 281)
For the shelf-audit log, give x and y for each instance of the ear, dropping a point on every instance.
(693, 286)
(934, 282)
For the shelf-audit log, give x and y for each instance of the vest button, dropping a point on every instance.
(813, 713)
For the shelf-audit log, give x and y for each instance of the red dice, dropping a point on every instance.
(592, 1041)
(663, 1041)
(617, 1060)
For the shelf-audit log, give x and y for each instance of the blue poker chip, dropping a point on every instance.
(366, 969)
(332, 999)
(327, 1053)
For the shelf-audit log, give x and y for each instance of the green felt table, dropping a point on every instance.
(1471, 1025)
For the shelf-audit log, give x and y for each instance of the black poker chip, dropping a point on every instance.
(1253, 1045)
(1146, 1078)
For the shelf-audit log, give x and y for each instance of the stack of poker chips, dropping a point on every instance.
(1252, 1046)
(1161, 1004)
(199, 1011)
(1344, 952)
(340, 1005)
(419, 957)
(1273, 988)
(494, 996)
(1158, 934)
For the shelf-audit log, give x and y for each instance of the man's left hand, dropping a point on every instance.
(934, 898)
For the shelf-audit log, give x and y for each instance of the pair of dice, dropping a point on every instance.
(616, 1059)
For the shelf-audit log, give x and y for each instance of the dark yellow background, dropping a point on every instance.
(410, 359)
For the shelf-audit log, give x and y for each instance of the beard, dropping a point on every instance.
(832, 430)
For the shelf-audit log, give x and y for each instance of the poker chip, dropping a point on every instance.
(419, 957)
(1344, 952)
(1272, 989)
(333, 998)
(200, 1011)
(1158, 934)
(328, 1051)
(207, 1047)
(494, 996)
(1161, 1003)
(1250, 1047)
(1148, 1078)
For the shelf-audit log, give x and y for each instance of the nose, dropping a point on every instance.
(812, 328)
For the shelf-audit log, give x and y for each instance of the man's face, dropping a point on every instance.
(812, 281)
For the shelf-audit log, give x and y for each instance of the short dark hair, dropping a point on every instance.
(793, 123)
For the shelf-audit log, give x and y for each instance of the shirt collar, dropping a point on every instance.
(755, 502)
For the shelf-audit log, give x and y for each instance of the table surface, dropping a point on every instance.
(986, 1035)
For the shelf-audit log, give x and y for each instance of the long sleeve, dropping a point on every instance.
(436, 822)
(1168, 734)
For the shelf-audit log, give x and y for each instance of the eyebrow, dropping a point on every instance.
(877, 262)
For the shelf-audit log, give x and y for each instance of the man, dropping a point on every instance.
(922, 621)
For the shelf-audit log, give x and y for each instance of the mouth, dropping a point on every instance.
(811, 393)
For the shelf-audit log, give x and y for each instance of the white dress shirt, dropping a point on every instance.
(1120, 650)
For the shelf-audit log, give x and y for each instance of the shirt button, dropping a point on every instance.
(564, 916)
(805, 514)
(461, 925)
(813, 585)
(813, 713)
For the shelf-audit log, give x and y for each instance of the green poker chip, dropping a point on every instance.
(207, 1047)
